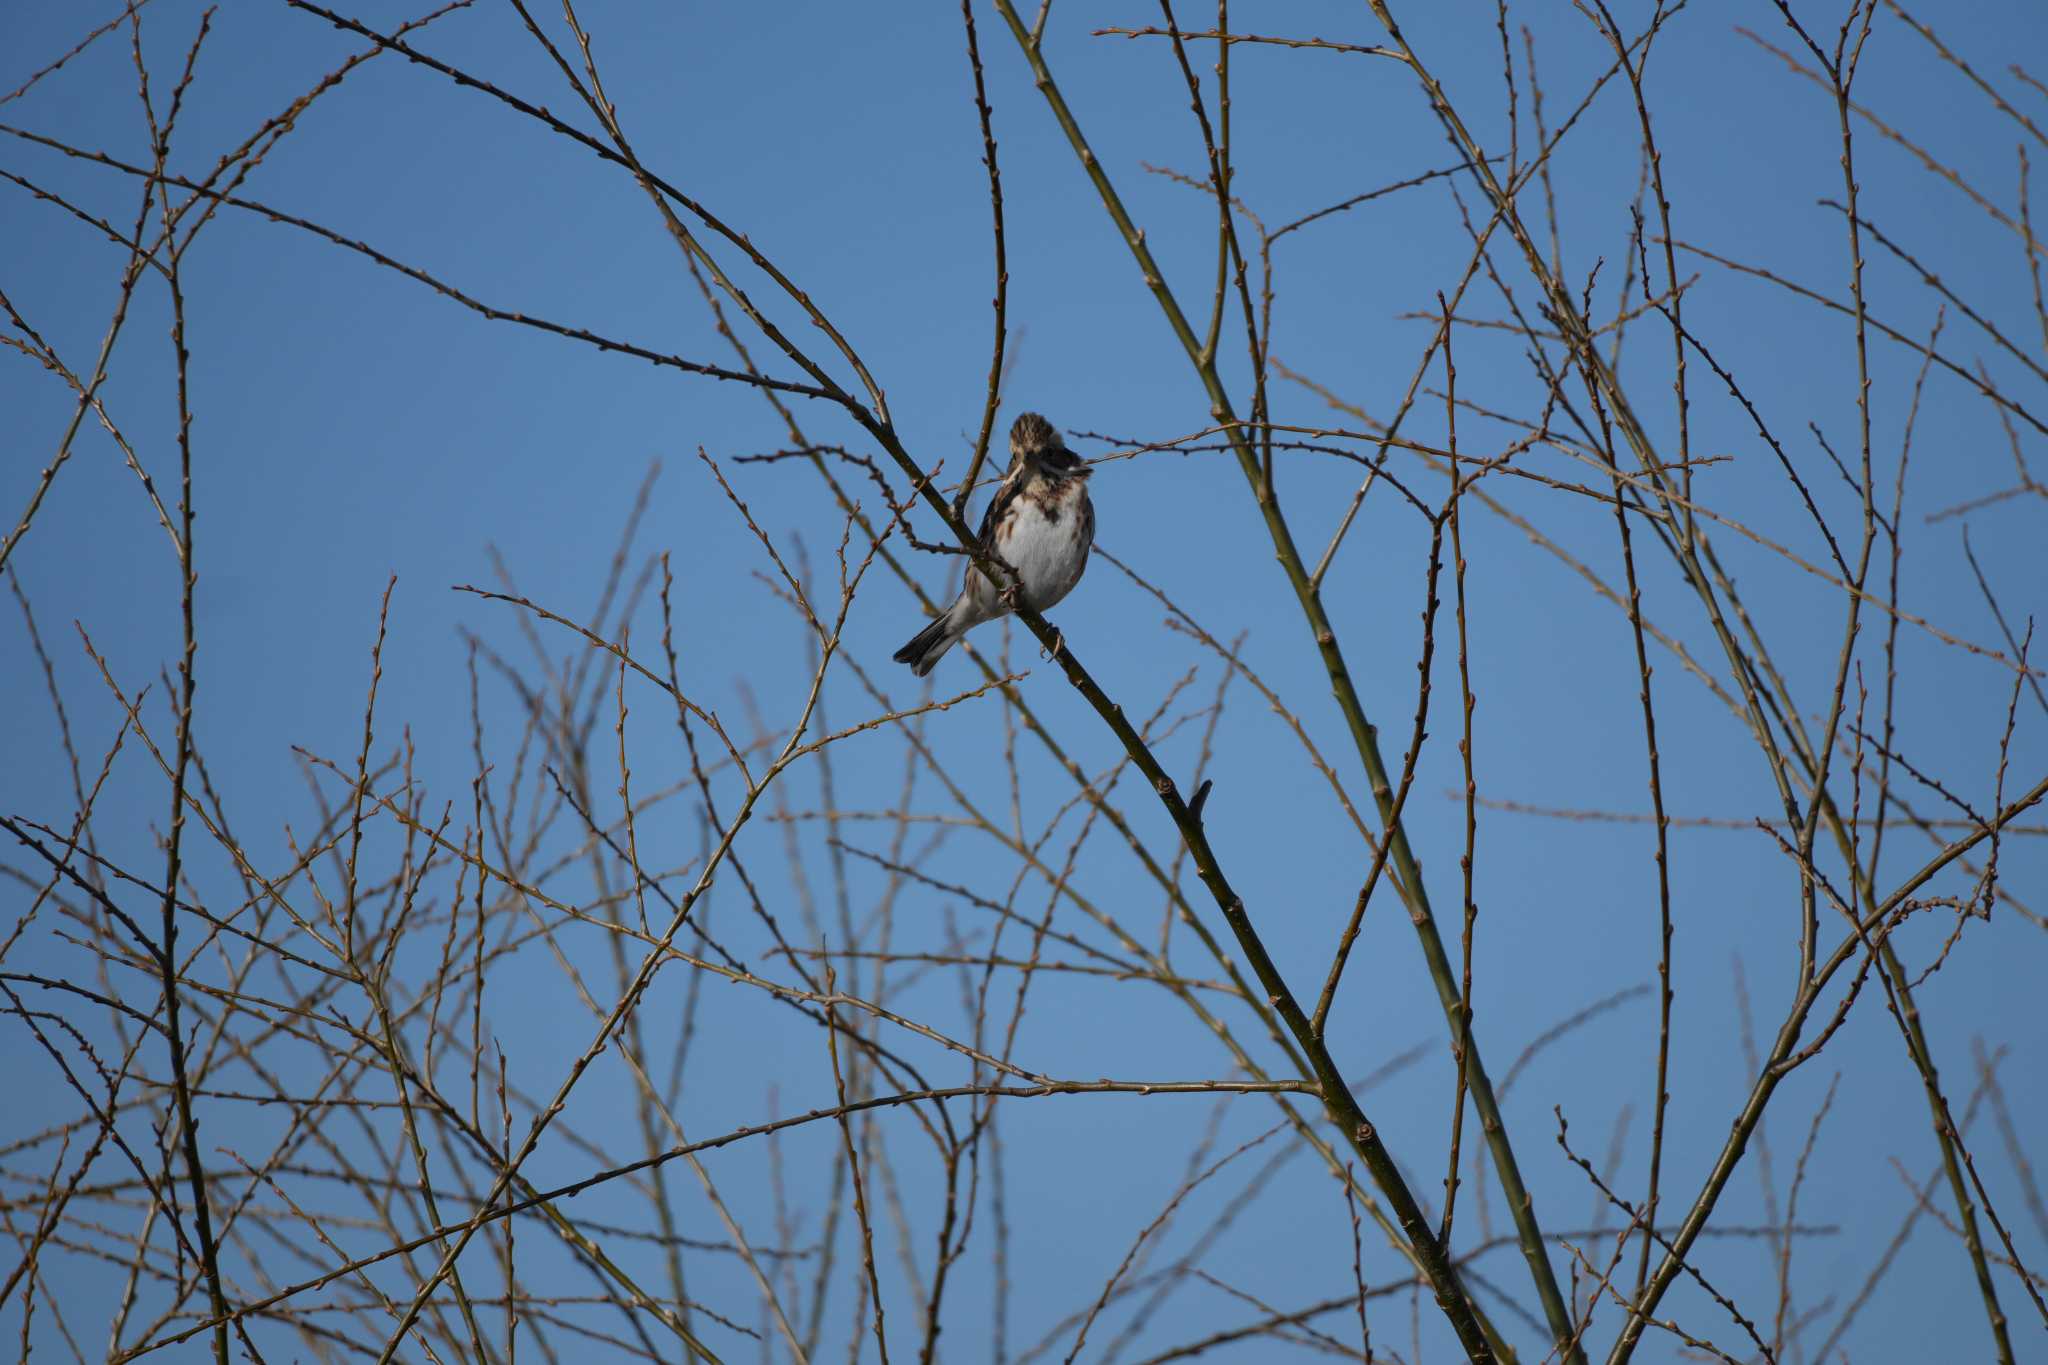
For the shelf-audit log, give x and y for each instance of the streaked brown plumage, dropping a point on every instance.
(1040, 523)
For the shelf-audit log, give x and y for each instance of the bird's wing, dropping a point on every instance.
(1005, 494)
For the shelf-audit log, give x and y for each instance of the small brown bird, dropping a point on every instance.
(1040, 523)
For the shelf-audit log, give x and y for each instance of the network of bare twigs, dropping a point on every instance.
(407, 1189)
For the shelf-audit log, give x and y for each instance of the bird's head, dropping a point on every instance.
(1035, 442)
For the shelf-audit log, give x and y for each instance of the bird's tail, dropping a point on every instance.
(927, 645)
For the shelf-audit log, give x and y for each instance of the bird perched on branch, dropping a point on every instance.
(1040, 523)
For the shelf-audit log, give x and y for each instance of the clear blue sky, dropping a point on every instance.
(351, 425)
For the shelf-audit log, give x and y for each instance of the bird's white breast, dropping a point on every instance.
(1048, 553)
